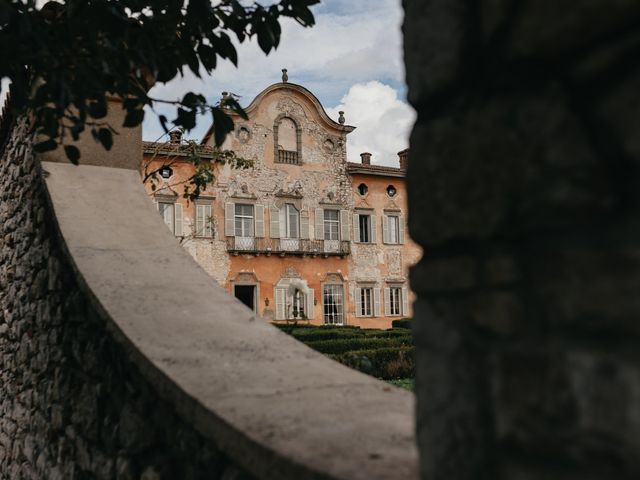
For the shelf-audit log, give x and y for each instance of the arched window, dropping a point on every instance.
(286, 136)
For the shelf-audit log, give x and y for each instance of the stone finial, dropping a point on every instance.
(341, 117)
(366, 158)
(403, 156)
(175, 137)
(285, 77)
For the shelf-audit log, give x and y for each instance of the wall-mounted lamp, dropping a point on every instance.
(266, 301)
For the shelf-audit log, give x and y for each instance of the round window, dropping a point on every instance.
(391, 191)
(363, 189)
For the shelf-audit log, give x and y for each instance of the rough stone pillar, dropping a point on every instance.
(523, 191)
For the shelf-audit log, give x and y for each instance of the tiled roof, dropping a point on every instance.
(380, 170)
(168, 148)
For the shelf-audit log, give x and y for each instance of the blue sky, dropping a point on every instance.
(351, 60)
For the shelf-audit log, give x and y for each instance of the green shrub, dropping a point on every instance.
(402, 323)
(341, 345)
(383, 363)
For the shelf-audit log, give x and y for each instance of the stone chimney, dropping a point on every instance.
(366, 158)
(403, 156)
(175, 137)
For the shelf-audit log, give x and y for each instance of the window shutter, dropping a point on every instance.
(376, 302)
(385, 229)
(274, 222)
(344, 225)
(199, 220)
(319, 233)
(229, 219)
(401, 229)
(358, 302)
(356, 227)
(304, 226)
(387, 302)
(259, 220)
(280, 297)
(405, 302)
(372, 226)
(207, 220)
(310, 307)
(178, 219)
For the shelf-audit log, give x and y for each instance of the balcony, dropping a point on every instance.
(287, 156)
(287, 246)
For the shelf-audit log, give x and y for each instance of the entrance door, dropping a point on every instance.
(246, 294)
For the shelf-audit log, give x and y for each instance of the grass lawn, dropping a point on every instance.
(384, 354)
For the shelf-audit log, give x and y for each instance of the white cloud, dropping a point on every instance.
(346, 46)
(383, 122)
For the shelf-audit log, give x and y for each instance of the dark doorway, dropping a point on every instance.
(246, 294)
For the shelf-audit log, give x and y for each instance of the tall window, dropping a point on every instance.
(395, 301)
(244, 220)
(364, 222)
(203, 220)
(171, 213)
(393, 229)
(331, 225)
(292, 221)
(333, 304)
(286, 137)
(366, 302)
(297, 306)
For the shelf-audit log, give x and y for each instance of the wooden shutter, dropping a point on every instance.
(401, 229)
(376, 302)
(229, 219)
(304, 226)
(356, 227)
(372, 227)
(280, 295)
(344, 225)
(178, 219)
(387, 302)
(405, 301)
(200, 219)
(259, 220)
(358, 302)
(208, 220)
(274, 222)
(310, 307)
(319, 233)
(385, 229)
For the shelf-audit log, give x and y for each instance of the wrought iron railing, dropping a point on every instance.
(287, 246)
(287, 156)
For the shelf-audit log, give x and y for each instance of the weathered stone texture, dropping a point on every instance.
(523, 179)
(71, 403)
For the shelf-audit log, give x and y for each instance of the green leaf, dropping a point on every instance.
(105, 137)
(73, 154)
(133, 118)
(222, 124)
(45, 146)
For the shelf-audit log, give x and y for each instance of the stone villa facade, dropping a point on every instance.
(303, 234)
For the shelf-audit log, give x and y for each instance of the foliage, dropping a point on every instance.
(383, 363)
(405, 383)
(385, 354)
(66, 58)
(402, 323)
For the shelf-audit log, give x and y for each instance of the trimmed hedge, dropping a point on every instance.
(383, 363)
(307, 335)
(342, 345)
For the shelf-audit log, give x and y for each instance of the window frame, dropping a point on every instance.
(330, 223)
(339, 306)
(366, 230)
(366, 301)
(395, 304)
(393, 219)
(206, 221)
(287, 215)
(249, 219)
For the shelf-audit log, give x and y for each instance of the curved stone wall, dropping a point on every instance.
(122, 359)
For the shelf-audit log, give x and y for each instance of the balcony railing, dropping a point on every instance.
(287, 246)
(287, 156)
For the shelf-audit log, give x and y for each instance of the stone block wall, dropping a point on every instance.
(523, 191)
(72, 406)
